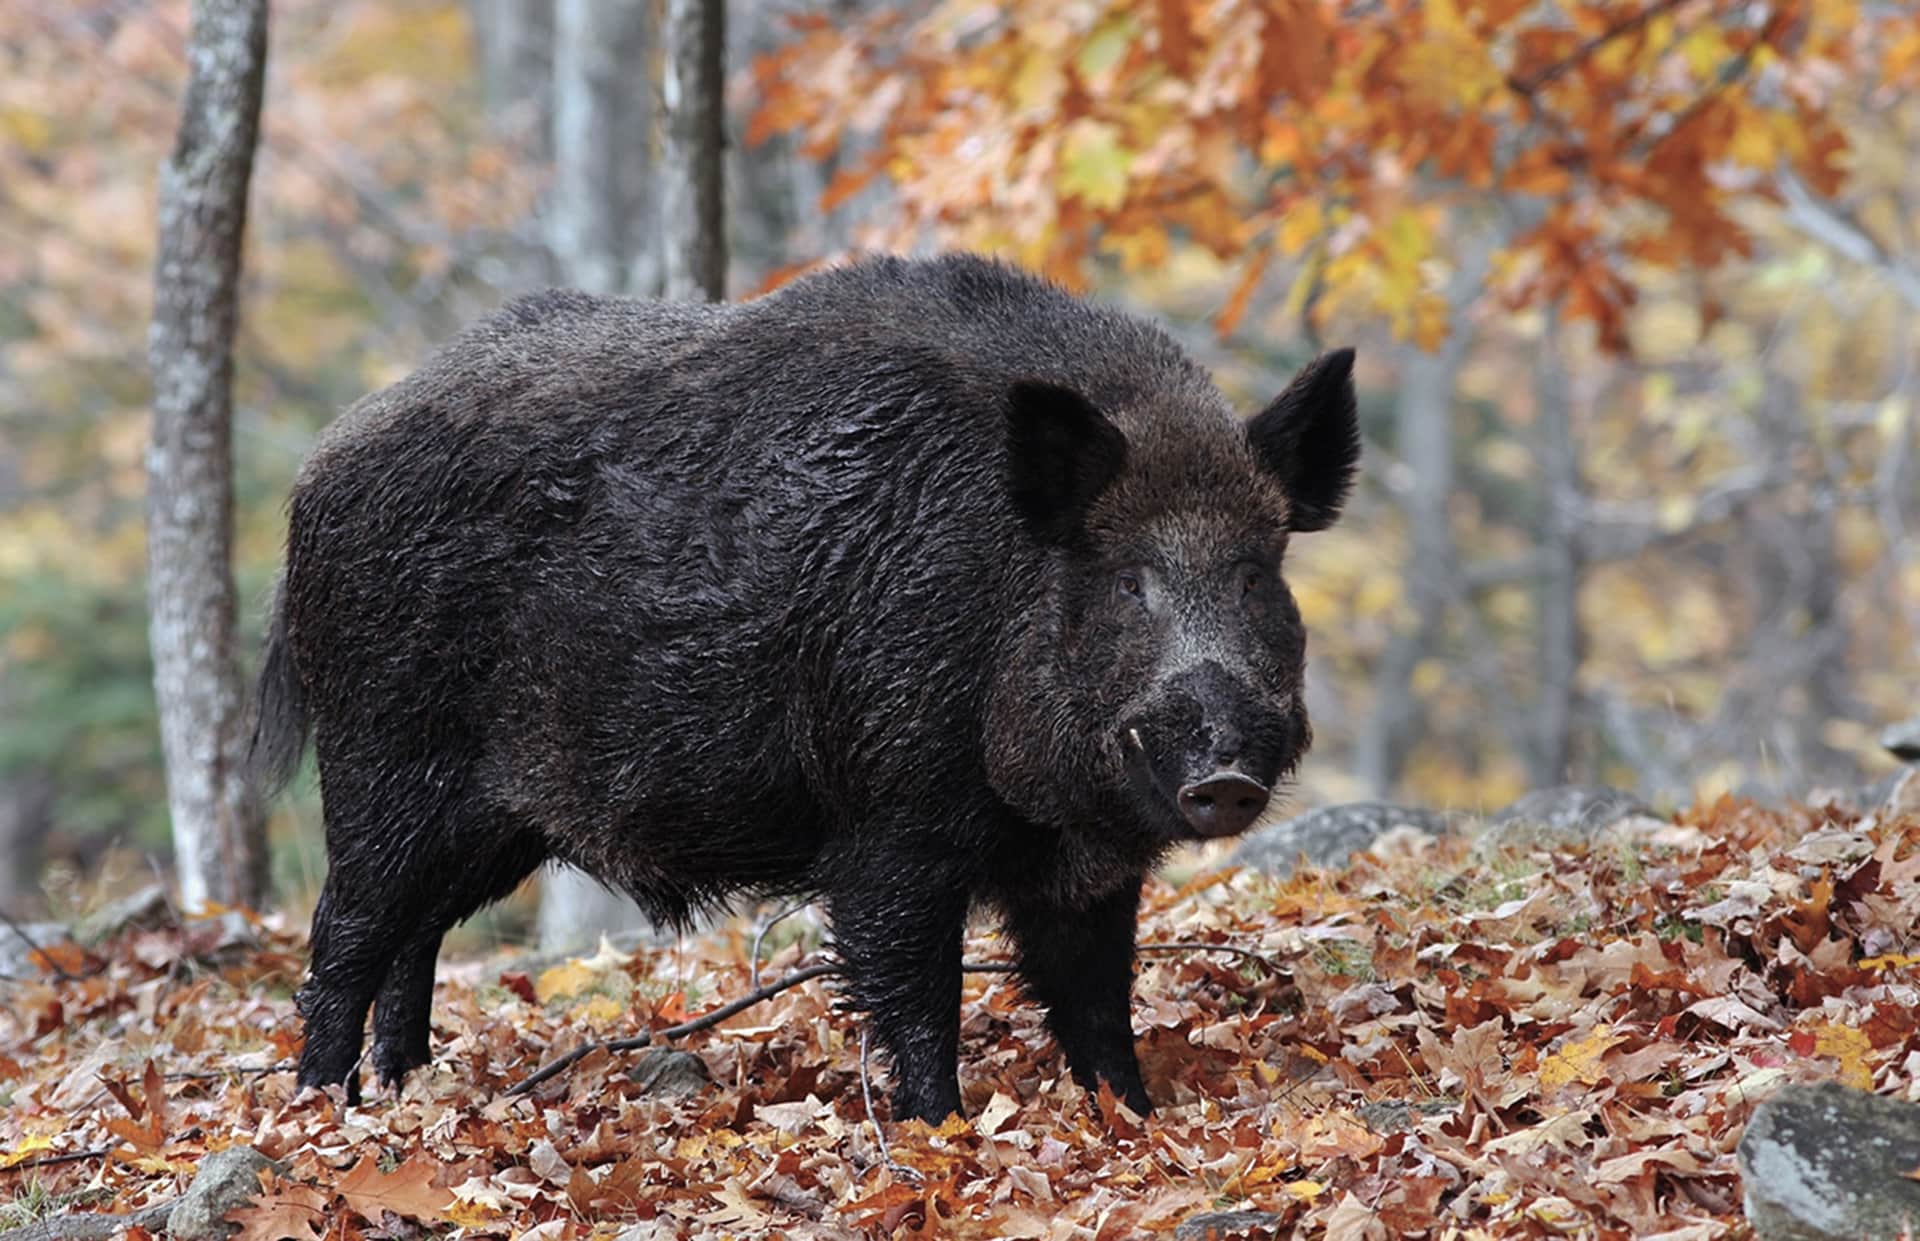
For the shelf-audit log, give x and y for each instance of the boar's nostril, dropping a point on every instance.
(1223, 804)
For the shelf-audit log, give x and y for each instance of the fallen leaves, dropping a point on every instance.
(1538, 1042)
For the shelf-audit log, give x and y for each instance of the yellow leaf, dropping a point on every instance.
(28, 1147)
(30, 130)
(1300, 226)
(1893, 961)
(1578, 1061)
(563, 981)
(1305, 1191)
(1850, 1047)
(1093, 164)
(1752, 144)
(470, 1215)
(601, 1010)
(1105, 46)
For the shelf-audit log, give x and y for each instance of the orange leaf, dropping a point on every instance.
(1176, 35)
(407, 1190)
(286, 1210)
(1236, 305)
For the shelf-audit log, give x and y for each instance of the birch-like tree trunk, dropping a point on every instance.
(218, 830)
(514, 42)
(1423, 421)
(1560, 643)
(692, 181)
(601, 231)
(600, 220)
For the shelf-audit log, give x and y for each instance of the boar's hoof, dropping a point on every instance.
(1224, 804)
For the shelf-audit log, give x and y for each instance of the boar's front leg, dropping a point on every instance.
(897, 926)
(1079, 964)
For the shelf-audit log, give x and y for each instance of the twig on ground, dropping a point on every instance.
(40, 955)
(46, 1161)
(692, 1026)
(206, 1075)
(880, 1137)
(820, 970)
(1175, 946)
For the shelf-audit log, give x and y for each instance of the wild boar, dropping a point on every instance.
(918, 585)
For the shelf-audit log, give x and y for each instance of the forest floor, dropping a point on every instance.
(1431, 1040)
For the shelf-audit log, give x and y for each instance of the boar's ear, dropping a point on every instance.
(1061, 454)
(1309, 440)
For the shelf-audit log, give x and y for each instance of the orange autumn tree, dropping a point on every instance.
(1339, 135)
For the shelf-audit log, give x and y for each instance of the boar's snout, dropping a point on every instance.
(1224, 804)
(1209, 747)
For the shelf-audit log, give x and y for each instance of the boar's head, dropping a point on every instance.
(1157, 688)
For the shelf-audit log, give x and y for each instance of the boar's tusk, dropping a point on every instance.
(1133, 735)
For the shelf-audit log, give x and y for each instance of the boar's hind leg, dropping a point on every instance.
(458, 889)
(1079, 964)
(355, 934)
(897, 926)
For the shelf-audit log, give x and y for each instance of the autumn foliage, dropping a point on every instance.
(1350, 138)
(1525, 1042)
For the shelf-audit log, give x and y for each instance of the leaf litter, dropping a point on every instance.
(1432, 1041)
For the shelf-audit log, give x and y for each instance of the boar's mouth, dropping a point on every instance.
(1218, 804)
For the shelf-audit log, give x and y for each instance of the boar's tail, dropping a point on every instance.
(279, 708)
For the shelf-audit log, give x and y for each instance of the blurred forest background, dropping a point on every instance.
(1635, 287)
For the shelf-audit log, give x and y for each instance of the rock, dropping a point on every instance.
(17, 945)
(669, 1074)
(1902, 740)
(147, 908)
(1330, 835)
(1889, 797)
(1565, 813)
(227, 1179)
(1222, 1225)
(1821, 1161)
(658, 1229)
(1389, 1116)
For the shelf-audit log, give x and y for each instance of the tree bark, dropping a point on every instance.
(514, 43)
(218, 828)
(1559, 591)
(600, 216)
(1423, 420)
(693, 198)
(603, 234)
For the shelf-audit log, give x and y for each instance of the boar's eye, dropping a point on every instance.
(1251, 580)
(1128, 583)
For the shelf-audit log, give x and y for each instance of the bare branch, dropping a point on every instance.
(702, 1022)
(1840, 232)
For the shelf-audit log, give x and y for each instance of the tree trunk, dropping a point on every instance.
(574, 910)
(601, 230)
(1559, 592)
(26, 815)
(514, 43)
(600, 217)
(218, 829)
(693, 198)
(1423, 420)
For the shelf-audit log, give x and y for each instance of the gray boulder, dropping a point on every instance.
(1389, 1116)
(1330, 835)
(227, 1179)
(1229, 1226)
(1824, 1161)
(145, 910)
(1563, 813)
(1902, 740)
(668, 1073)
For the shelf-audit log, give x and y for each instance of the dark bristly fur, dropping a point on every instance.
(918, 585)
